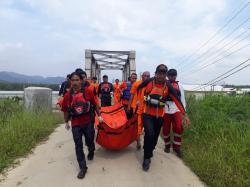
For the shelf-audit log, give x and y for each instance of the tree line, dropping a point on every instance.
(20, 86)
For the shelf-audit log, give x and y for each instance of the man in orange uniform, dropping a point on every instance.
(134, 103)
(125, 88)
(117, 91)
(156, 91)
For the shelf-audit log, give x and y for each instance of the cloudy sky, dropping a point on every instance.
(48, 37)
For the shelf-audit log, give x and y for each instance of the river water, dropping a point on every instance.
(6, 94)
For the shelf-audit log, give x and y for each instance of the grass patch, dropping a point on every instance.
(217, 144)
(21, 130)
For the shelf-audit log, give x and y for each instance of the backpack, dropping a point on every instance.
(79, 105)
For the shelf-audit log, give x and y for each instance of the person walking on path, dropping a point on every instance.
(76, 106)
(173, 117)
(156, 91)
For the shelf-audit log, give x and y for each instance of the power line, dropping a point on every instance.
(204, 53)
(217, 32)
(227, 48)
(222, 52)
(228, 71)
(218, 60)
(213, 81)
(223, 47)
(231, 74)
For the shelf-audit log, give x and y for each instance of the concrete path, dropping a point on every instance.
(53, 164)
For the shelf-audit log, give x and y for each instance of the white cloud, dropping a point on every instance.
(10, 46)
(160, 31)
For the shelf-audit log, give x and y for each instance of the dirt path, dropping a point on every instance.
(54, 164)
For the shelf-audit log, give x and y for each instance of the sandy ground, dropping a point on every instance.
(54, 164)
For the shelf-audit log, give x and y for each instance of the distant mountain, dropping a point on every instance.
(20, 78)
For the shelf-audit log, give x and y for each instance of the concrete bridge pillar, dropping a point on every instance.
(132, 66)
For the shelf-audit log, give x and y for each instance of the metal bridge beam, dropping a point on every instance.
(94, 65)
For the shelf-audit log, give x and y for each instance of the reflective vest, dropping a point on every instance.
(155, 100)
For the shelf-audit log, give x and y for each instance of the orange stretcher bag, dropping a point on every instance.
(116, 132)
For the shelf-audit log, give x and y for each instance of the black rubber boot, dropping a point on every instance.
(179, 153)
(146, 164)
(91, 155)
(167, 149)
(138, 144)
(82, 173)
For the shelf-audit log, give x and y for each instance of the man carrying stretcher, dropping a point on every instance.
(155, 93)
(135, 104)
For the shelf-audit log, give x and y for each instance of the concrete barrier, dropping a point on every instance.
(38, 98)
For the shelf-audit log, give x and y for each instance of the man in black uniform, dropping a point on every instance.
(105, 90)
(65, 86)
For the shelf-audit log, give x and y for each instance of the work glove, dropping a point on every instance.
(67, 126)
(100, 119)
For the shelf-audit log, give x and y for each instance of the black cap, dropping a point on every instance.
(161, 68)
(172, 72)
(105, 76)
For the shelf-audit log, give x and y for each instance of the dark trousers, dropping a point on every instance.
(152, 127)
(89, 134)
(105, 101)
(129, 114)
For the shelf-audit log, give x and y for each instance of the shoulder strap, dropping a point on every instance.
(153, 85)
(144, 83)
(83, 91)
(177, 82)
(70, 96)
(164, 87)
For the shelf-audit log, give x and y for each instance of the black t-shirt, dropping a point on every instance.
(105, 89)
(63, 89)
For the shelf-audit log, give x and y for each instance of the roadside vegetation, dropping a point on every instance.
(22, 130)
(217, 144)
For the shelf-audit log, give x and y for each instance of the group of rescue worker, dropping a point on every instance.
(158, 101)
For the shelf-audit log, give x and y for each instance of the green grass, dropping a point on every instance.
(21, 130)
(217, 144)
